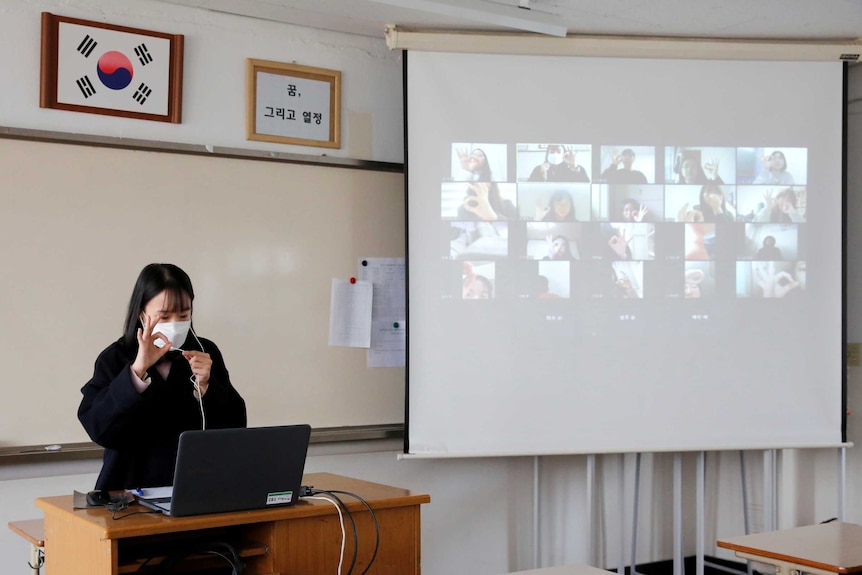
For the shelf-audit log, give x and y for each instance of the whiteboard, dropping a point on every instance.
(261, 241)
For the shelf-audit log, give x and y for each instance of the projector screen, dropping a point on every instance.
(611, 254)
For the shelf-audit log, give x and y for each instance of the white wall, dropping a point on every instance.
(480, 519)
(214, 87)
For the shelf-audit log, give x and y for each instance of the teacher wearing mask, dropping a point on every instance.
(155, 382)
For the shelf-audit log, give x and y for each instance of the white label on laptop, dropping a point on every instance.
(279, 497)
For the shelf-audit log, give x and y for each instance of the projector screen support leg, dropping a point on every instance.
(591, 509)
(537, 470)
(718, 566)
(701, 482)
(621, 490)
(678, 561)
(635, 514)
(842, 480)
(745, 519)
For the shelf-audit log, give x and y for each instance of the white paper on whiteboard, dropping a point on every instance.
(387, 275)
(350, 314)
(388, 310)
(388, 344)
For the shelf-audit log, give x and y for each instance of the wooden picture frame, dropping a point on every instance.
(100, 68)
(293, 104)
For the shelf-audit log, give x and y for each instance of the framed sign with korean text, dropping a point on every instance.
(293, 104)
(115, 70)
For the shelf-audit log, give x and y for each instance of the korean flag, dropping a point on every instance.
(111, 69)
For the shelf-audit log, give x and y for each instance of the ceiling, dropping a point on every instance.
(739, 19)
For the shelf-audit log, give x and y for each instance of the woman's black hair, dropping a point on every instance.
(488, 285)
(783, 159)
(153, 280)
(703, 207)
(551, 216)
(567, 255)
(485, 169)
(695, 156)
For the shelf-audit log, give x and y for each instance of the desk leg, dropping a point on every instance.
(35, 559)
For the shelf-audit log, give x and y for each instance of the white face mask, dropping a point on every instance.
(555, 158)
(175, 331)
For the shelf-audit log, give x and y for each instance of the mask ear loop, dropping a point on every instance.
(194, 381)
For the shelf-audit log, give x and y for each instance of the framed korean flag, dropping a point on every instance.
(104, 69)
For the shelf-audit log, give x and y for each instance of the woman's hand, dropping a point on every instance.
(201, 364)
(148, 352)
(479, 204)
(639, 216)
(619, 245)
(463, 157)
(774, 284)
(710, 168)
(714, 203)
(570, 155)
(615, 158)
(769, 199)
(541, 211)
(686, 215)
(469, 160)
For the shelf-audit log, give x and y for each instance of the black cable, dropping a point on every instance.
(352, 524)
(218, 548)
(376, 526)
(40, 561)
(116, 517)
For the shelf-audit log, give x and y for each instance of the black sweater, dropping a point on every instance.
(140, 432)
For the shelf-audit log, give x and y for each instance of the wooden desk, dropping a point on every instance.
(303, 538)
(824, 549)
(33, 530)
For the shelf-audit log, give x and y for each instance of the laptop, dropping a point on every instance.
(221, 470)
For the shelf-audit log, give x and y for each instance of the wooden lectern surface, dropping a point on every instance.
(302, 538)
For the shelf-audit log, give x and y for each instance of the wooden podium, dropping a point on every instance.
(302, 539)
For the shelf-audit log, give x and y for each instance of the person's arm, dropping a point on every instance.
(539, 173)
(609, 171)
(110, 400)
(761, 178)
(223, 405)
(581, 174)
(763, 215)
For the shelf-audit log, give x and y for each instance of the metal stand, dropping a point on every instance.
(591, 507)
(633, 569)
(537, 463)
(678, 559)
